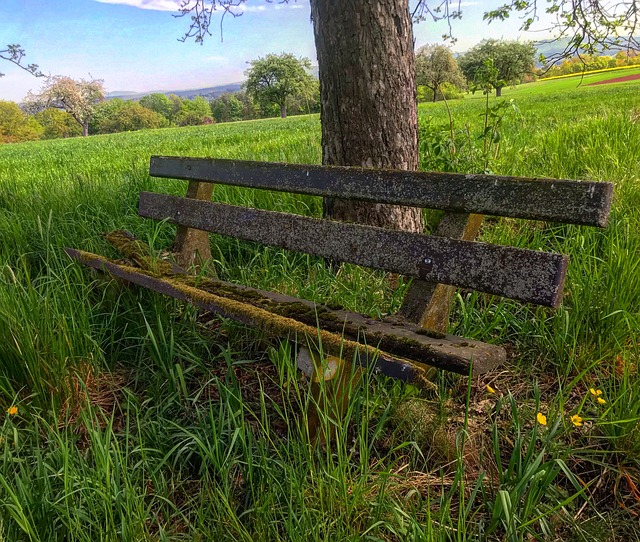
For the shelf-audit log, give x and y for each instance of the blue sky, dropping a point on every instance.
(133, 44)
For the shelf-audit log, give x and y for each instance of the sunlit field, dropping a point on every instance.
(574, 84)
(129, 416)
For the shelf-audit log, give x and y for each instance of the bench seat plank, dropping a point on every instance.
(574, 202)
(338, 330)
(526, 275)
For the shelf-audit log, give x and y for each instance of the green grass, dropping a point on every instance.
(594, 72)
(139, 422)
(574, 84)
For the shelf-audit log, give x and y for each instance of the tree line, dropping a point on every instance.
(26, 123)
(276, 85)
(488, 66)
(587, 62)
(65, 107)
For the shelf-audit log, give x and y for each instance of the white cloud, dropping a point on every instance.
(155, 5)
(174, 5)
(268, 5)
(244, 7)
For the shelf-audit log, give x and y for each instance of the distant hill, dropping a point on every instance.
(208, 92)
(555, 48)
(547, 48)
(551, 48)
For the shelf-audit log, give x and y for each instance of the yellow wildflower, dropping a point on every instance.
(594, 392)
(490, 389)
(576, 420)
(542, 419)
(12, 410)
(601, 401)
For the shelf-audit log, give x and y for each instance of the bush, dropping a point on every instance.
(231, 107)
(449, 91)
(57, 124)
(125, 116)
(131, 117)
(16, 126)
(193, 112)
(158, 103)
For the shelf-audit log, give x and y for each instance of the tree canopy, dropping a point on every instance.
(192, 112)
(78, 98)
(511, 59)
(158, 103)
(273, 78)
(57, 124)
(231, 107)
(15, 125)
(118, 115)
(435, 65)
(591, 26)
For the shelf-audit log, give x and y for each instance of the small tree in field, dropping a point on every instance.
(435, 65)
(512, 59)
(78, 98)
(272, 79)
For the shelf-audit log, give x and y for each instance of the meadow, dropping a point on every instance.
(128, 416)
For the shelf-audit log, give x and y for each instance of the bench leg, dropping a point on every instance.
(192, 246)
(331, 385)
(428, 303)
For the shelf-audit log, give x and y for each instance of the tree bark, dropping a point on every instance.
(498, 92)
(368, 97)
(283, 111)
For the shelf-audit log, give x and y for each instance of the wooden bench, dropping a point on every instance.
(402, 345)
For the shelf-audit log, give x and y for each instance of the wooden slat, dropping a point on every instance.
(577, 202)
(191, 247)
(526, 275)
(428, 303)
(338, 330)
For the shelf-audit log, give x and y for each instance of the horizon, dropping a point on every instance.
(134, 46)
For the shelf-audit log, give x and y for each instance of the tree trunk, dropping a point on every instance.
(85, 129)
(283, 111)
(498, 92)
(435, 94)
(368, 97)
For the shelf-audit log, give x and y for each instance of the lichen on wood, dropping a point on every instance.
(338, 332)
(138, 252)
(316, 338)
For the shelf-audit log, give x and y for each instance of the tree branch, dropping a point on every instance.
(14, 54)
(201, 12)
(592, 26)
(448, 10)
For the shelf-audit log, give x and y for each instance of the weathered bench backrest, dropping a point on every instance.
(526, 275)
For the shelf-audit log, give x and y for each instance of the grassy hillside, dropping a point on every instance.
(570, 84)
(140, 419)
